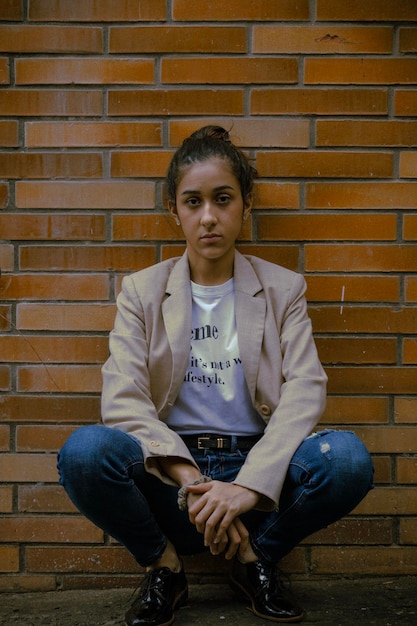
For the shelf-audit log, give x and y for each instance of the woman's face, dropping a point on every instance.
(210, 208)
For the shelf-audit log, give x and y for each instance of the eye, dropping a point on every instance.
(223, 198)
(192, 202)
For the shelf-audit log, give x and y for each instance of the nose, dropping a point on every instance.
(208, 215)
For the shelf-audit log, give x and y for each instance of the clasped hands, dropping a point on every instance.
(214, 509)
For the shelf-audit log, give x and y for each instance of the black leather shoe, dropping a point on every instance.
(269, 599)
(161, 592)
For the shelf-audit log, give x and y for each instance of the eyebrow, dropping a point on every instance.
(220, 188)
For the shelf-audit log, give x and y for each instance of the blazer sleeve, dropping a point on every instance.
(301, 402)
(126, 401)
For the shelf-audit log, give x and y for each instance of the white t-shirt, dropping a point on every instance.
(214, 396)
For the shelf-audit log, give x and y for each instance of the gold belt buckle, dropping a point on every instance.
(220, 443)
(200, 442)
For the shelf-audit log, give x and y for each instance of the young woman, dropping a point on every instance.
(210, 395)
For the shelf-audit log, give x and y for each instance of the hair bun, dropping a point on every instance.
(211, 132)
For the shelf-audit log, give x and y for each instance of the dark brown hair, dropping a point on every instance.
(206, 143)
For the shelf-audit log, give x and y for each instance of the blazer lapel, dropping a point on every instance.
(176, 311)
(250, 318)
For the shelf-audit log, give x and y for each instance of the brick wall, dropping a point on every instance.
(94, 98)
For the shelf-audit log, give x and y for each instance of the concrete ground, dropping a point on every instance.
(379, 602)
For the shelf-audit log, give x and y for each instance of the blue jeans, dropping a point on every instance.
(103, 472)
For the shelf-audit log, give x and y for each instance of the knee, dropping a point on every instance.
(81, 451)
(354, 463)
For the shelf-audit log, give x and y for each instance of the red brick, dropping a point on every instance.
(73, 559)
(42, 438)
(410, 227)
(409, 351)
(44, 499)
(358, 258)
(9, 134)
(406, 470)
(364, 319)
(370, 133)
(35, 102)
(6, 499)
(384, 561)
(5, 317)
(273, 195)
(90, 11)
(408, 531)
(12, 10)
(383, 469)
(363, 71)
(282, 255)
(328, 164)
(130, 227)
(4, 438)
(83, 134)
(348, 288)
(6, 258)
(373, 10)
(59, 378)
(24, 583)
(351, 350)
(28, 468)
(280, 133)
(46, 409)
(140, 164)
(226, 70)
(69, 317)
(44, 529)
(9, 559)
(405, 102)
(238, 10)
(4, 72)
(55, 227)
(356, 410)
(44, 349)
(4, 195)
(175, 102)
(312, 101)
(101, 258)
(408, 40)
(389, 501)
(390, 195)
(354, 531)
(388, 439)
(322, 39)
(54, 287)
(405, 410)
(65, 71)
(411, 289)
(373, 380)
(50, 165)
(25, 38)
(85, 195)
(4, 378)
(408, 164)
(323, 227)
(177, 39)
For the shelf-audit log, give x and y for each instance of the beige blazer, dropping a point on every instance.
(149, 355)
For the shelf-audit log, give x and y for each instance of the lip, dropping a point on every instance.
(210, 236)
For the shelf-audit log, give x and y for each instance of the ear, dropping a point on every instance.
(247, 206)
(173, 210)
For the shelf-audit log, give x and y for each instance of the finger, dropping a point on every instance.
(234, 542)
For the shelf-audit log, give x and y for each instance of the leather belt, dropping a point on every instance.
(219, 442)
